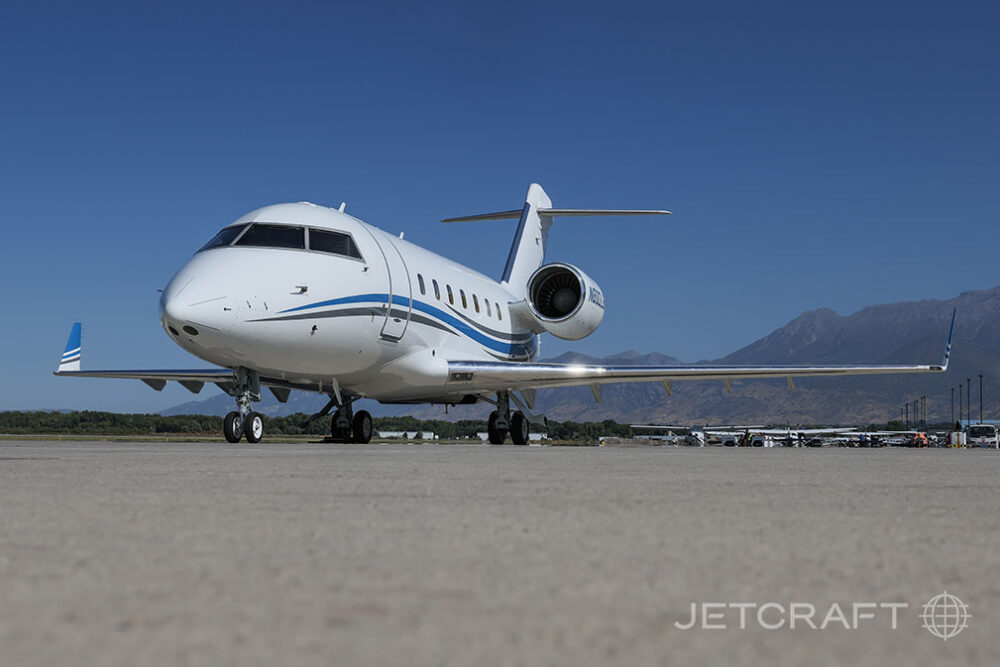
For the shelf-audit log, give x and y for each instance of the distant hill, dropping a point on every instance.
(899, 333)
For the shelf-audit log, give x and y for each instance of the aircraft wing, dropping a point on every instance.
(498, 376)
(502, 375)
(191, 379)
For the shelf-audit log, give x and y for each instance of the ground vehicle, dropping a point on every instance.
(983, 435)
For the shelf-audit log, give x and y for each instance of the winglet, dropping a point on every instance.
(71, 356)
(947, 348)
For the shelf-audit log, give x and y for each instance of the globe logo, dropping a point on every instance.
(945, 616)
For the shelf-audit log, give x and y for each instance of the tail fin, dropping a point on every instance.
(71, 356)
(527, 252)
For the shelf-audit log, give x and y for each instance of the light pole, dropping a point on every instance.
(923, 411)
(906, 425)
(968, 398)
(980, 398)
(952, 405)
(959, 422)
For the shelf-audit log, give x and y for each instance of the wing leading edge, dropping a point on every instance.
(191, 379)
(500, 376)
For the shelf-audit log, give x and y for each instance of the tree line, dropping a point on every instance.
(90, 422)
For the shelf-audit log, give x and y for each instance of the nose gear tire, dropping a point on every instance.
(254, 428)
(232, 427)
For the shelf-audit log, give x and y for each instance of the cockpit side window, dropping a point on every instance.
(224, 237)
(337, 243)
(274, 236)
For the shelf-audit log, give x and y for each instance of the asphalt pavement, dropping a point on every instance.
(116, 553)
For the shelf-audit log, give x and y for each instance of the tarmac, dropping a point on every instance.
(115, 553)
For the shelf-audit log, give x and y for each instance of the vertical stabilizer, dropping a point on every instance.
(527, 252)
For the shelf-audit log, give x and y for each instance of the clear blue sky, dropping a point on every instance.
(838, 156)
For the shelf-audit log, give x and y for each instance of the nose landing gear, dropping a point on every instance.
(243, 420)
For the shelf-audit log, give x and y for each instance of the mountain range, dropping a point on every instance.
(898, 333)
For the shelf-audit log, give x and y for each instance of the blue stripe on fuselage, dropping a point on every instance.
(527, 348)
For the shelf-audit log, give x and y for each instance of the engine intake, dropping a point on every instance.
(565, 301)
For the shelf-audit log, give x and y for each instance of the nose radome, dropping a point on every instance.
(193, 306)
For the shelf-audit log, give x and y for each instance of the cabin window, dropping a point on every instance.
(475, 303)
(336, 243)
(451, 297)
(274, 236)
(465, 304)
(420, 280)
(437, 292)
(499, 315)
(489, 313)
(224, 237)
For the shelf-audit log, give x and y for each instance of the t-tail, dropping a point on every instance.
(527, 252)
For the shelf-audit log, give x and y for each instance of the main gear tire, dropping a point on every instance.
(496, 434)
(361, 428)
(519, 428)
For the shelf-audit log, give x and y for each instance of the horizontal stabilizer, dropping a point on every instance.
(502, 215)
(587, 212)
(558, 213)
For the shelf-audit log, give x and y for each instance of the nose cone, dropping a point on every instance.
(197, 303)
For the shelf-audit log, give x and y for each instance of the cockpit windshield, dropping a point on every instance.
(265, 235)
(224, 237)
(274, 236)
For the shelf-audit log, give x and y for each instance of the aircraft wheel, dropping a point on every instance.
(497, 435)
(519, 429)
(340, 433)
(362, 427)
(255, 430)
(232, 427)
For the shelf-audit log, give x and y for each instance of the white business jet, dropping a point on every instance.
(305, 297)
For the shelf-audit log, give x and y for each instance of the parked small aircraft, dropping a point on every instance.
(305, 297)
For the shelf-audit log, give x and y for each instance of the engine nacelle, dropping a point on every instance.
(565, 301)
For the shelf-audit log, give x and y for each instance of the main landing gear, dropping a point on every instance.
(346, 425)
(244, 421)
(502, 421)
